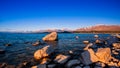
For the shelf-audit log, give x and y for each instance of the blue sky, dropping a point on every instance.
(31, 15)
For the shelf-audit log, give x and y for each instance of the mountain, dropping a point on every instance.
(100, 28)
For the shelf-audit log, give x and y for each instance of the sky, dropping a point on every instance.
(32, 15)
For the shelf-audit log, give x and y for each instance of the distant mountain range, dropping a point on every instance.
(100, 28)
(96, 28)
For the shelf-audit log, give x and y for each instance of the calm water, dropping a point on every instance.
(22, 48)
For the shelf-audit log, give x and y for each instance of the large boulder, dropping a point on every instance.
(50, 37)
(88, 57)
(104, 54)
(44, 52)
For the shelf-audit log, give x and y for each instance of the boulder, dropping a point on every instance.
(50, 37)
(88, 57)
(103, 54)
(72, 62)
(61, 58)
(44, 52)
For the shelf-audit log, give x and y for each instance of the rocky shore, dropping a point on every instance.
(98, 54)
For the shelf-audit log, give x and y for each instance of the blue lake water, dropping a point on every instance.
(22, 48)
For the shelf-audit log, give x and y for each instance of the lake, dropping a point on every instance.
(21, 48)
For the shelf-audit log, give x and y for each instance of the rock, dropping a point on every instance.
(98, 67)
(118, 64)
(71, 52)
(2, 65)
(2, 51)
(77, 37)
(8, 44)
(61, 58)
(118, 36)
(97, 41)
(103, 54)
(86, 67)
(77, 67)
(44, 61)
(36, 43)
(86, 42)
(51, 65)
(116, 45)
(39, 66)
(96, 36)
(10, 66)
(72, 62)
(44, 52)
(99, 64)
(50, 37)
(112, 64)
(87, 47)
(88, 57)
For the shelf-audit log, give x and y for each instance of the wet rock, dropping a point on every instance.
(78, 67)
(96, 36)
(86, 67)
(39, 66)
(8, 44)
(118, 64)
(116, 45)
(2, 51)
(44, 52)
(2, 65)
(10, 66)
(103, 54)
(88, 57)
(98, 67)
(87, 47)
(97, 41)
(112, 64)
(72, 62)
(50, 37)
(61, 58)
(44, 60)
(85, 42)
(36, 43)
(51, 65)
(99, 64)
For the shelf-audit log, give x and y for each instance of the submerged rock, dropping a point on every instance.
(72, 62)
(44, 52)
(8, 44)
(104, 54)
(36, 43)
(88, 57)
(61, 58)
(50, 37)
(2, 51)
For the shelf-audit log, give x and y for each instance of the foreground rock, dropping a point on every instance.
(88, 57)
(61, 58)
(50, 37)
(44, 52)
(104, 54)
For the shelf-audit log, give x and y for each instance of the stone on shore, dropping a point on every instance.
(88, 57)
(104, 54)
(50, 37)
(72, 62)
(61, 58)
(87, 47)
(116, 45)
(44, 52)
